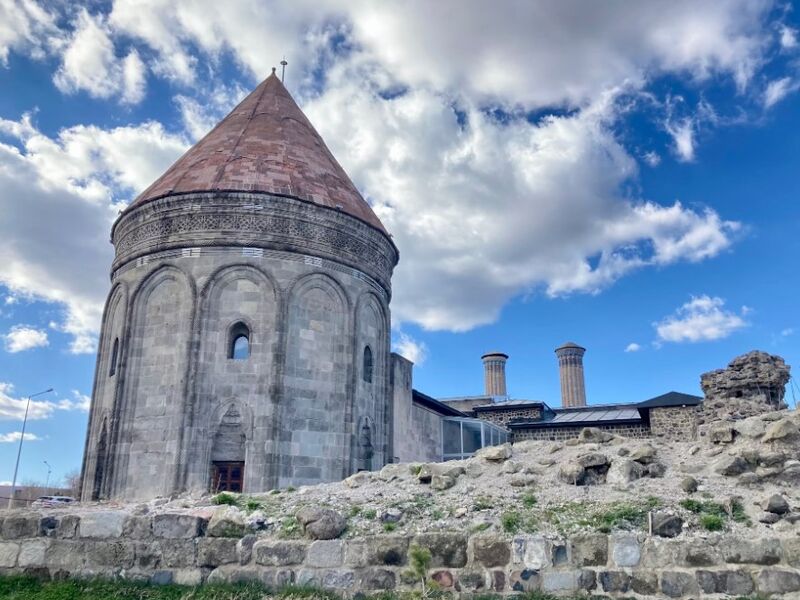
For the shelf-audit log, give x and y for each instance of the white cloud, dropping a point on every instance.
(788, 37)
(787, 332)
(15, 436)
(22, 337)
(703, 318)
(412, 349)
(683, 135)
(778, 89)
(633, 347)
(495, 209)
(13, 408)
(58, 198)
(652, 158)
(27, 27)
(89, 63)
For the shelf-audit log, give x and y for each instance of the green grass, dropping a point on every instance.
(225, 498)
(388, 527)
(529, 501)
(712, 522)
(28, 588)
(370, 513)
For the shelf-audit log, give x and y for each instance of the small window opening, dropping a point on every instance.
(112, 368)
(239, 342)
(367, 370)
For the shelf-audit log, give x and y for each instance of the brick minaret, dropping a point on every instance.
(570, 365)
(494, 373)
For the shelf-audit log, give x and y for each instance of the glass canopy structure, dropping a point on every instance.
(462, 436)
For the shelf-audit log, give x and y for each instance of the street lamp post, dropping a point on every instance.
(47, 483)
(19, 450)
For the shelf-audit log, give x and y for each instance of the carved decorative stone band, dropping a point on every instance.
(254, 220)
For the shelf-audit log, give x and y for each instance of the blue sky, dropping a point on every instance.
(622, 176)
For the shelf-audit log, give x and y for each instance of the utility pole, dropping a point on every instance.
(19, 450)
(47, 482)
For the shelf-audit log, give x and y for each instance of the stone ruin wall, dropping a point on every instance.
(561, 434)
(503, 417)
(678, 423)
(752, 384)
(178, 548)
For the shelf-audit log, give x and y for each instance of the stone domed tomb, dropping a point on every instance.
(245, 340)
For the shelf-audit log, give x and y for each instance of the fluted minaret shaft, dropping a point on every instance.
(494, 373)
(570, 364)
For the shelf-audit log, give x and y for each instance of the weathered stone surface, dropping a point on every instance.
(278, 554)
(781, 431)
(776, 504)
(644, 454)
(114, 553)
(667, 525)
(491, 551)
(644, 582)
(734, 583)
(325, 553)
(447, 549)
(16, 527)
(495, 453)
(571, 472)
(627, 552)
(522, 480)
(615, 581)
(559, 581)
(8, 554)
(689, 485)
(105, 524)
(677, 583)
(525, 580)
(213, 552)
(593, 459)
(444, 579)
(530, 551)
(594, 435)
(768, 518)
(753, 551)
(777, 581)
(730, 466)
(377, 579)
(32, 553)
(721, 433)
(178, 553)
(176, 526)
(321, 523)
(656, 469)
(356, 480)
(470, 581)
(589, 550)
(227, 521)
(389, 550)
(442, 482)
(623, 471)
(699, 554)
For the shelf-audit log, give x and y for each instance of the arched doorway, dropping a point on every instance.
(228, 453)
(100, 466)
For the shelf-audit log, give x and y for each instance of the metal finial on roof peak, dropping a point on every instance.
(273, 70)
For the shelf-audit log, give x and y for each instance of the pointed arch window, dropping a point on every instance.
(239, 342)
(112, 367)
(367, 368)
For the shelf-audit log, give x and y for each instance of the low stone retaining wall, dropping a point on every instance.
(174, 547)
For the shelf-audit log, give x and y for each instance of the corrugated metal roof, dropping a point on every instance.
(617, 414)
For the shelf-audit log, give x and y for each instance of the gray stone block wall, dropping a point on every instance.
(417, 431)
(674, 422)
(179, 548)
(565, 433)
(300, 404)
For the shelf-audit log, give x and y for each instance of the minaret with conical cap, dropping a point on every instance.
(570, 366)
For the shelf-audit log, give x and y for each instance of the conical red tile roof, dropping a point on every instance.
(266, 144)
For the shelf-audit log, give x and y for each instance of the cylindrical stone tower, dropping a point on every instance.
(245, 341)
(494, 373)
(570, 366)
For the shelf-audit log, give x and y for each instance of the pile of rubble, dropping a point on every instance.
(742, 476)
